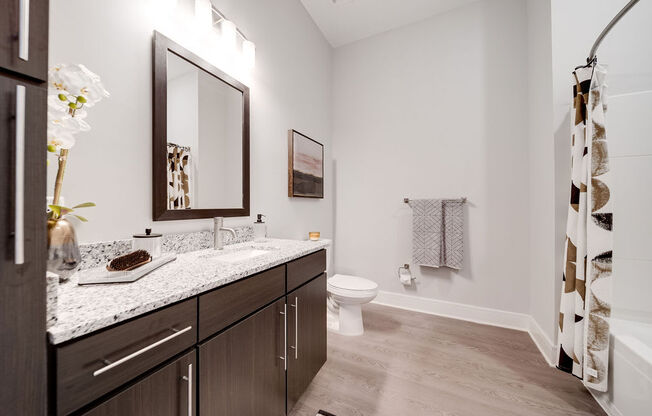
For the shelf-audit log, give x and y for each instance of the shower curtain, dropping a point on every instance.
(179, 177)
(586, 294)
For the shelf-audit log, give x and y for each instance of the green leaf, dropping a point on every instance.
(52, 148)
(62, 97)
(81, 99)
(84, 205)
(65, 210)
(72, 105)
(80, 218)
(56, 209)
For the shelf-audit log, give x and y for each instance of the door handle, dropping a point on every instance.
(141, 351)
(285, 336)
(296, 327)
(188, 378)
(19, 200)
(23, 29)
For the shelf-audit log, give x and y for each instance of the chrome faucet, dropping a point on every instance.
(218, 237)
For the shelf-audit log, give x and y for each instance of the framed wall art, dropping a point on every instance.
(305, 166)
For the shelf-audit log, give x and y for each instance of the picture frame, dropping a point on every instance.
(305, 166)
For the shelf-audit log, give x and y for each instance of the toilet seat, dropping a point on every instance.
(351, 286)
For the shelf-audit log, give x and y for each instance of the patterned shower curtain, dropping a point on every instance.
(179, 177)
(586, 295)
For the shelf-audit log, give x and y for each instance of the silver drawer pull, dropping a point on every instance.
(139, 352)
(188, 378)
(19, 201)
(296, 327)
(23, 30)
(285, 337)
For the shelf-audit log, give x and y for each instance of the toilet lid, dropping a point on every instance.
(343, 281)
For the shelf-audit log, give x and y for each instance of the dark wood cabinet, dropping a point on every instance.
(24, 37)
(301, 270)
(242, 370)
(92, 366)
(258, 347)
(169, 391)
(22, 246)
(221, 308)
(306, 336)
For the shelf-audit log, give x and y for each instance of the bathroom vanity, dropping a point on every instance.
(235, 332)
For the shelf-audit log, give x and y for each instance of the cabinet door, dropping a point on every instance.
(24, 37)
(306, 336)
(242, 371)
(169, 391)
(22, 248)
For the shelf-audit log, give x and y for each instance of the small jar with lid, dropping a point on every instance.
(149, 242)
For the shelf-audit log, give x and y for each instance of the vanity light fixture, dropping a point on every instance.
(203, 13)
(230, 35)
(249, 54)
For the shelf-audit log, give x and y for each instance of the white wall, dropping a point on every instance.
(542, 270)
(437, 109)
(111, 164)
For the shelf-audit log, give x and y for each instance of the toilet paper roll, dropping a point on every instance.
(405, 277)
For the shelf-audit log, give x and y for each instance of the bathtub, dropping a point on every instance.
(630, 370)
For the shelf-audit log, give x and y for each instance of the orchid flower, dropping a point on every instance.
(71, 89)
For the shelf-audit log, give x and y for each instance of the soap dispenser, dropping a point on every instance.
(260, 228)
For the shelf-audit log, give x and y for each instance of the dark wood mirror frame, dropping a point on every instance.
(159, 137)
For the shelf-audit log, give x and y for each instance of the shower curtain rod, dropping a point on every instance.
(607, 29)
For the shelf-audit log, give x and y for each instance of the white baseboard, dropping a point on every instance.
(454, 310)
(605, 403)
(477, 314)
(541, 340)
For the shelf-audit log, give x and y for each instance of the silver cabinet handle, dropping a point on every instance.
(188, 378)
(23, 30)
(296, 327)
(139, 352)
(19, 200)
(285, 336)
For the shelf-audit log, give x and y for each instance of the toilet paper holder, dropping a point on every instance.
(405, 267)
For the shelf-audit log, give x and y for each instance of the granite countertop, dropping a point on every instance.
(84, 309)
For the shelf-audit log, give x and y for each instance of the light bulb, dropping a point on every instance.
(229, 34)
(249, 54)
(203, 14)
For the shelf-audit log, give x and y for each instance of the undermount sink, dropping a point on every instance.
(237, 255)
(240, 255)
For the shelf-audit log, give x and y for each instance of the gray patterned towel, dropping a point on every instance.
(438, 232)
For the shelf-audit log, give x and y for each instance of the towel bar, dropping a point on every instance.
(463, 199)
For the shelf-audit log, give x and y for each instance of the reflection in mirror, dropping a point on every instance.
(204, 139)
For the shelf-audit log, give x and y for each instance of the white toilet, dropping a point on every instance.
(346, 294)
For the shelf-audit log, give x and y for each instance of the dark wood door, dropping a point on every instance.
(170, 391)
(306, 336)
(24, 37)
(241, 372)
(22, 282)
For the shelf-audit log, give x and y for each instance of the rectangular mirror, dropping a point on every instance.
(201, 137)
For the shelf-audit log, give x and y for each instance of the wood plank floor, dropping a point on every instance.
(413, 364)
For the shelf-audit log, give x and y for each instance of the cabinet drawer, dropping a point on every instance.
(24, 45)
(303, 269)
(170, 391)
(224, 306)
(95, 365)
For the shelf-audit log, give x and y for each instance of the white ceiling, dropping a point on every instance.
(345, 21)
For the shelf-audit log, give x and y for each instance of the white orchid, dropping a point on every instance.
(60, 138)
(77, 81)
(71, 89)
